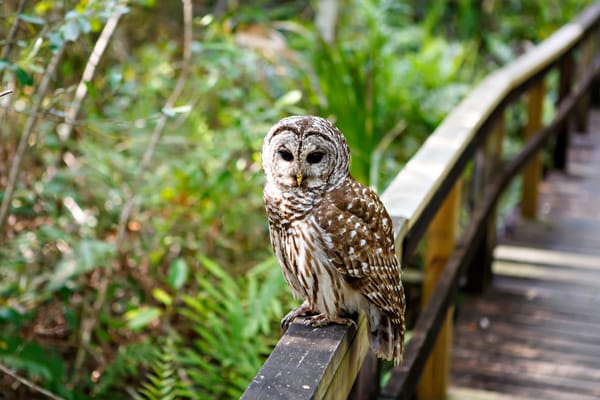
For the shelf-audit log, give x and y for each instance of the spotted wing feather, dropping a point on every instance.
(362, 230)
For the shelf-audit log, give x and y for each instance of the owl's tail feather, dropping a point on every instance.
(386, 336)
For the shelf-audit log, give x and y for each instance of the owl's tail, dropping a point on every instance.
(386, 335)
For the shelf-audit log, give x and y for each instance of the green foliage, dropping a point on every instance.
(126, 365)
(231, 319)
(163, 381)
(227, 331)
(383, 83)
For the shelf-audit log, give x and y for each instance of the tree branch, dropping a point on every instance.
(90, 68)
(13, 30)
(131, 202)
(15, 168)
(28, 383)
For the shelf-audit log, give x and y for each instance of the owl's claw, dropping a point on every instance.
(301, 311)
(323, 320)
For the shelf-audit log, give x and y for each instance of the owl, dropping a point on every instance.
(332, 236)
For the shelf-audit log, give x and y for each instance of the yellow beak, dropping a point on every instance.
(299, 179)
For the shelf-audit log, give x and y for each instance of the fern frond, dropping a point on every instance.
(163, 381)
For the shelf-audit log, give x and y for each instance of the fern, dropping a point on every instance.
(163, 381)
(232, 321)
(125, 365)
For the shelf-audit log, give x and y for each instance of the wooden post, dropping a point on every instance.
(588, 49)
(439, 244)
(366, 385)
(533, 170)
(562, 135)
(479, 273)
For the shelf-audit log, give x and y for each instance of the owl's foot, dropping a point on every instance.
(322, 320)
(301, 311)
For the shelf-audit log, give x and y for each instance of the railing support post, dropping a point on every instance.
(439, 244)
(532, 172)
(588, 50)
(479, 273)
(562, 136)
(366, 385)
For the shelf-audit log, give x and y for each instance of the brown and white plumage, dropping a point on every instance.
(332, 236)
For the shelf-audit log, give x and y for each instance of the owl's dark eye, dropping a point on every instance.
(286, 155)
(315, 157)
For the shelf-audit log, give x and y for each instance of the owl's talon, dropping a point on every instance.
(301, 311)
(322, 320)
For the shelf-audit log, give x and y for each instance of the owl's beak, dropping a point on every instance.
(299, 178)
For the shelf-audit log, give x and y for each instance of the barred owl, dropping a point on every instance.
(331, 235)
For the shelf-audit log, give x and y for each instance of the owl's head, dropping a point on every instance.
(305, 152)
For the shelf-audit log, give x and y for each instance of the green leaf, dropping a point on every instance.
(23, 77)
(141, 317)
(162, 296)
(178, 273)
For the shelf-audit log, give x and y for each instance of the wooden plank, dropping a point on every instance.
(532, 172)
(532, 288)
(571, 235)
(523, 347)
(540, 256)
(312, 363)
(536, 307)
(521, 379)
(522, 389)
(459, 393)
(545, 273)
(439, 245)
(574, 378)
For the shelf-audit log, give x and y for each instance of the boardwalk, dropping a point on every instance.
(535, 333)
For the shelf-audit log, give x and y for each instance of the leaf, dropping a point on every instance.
(23, 77)
(162, 296)
(31, 19)
(88, 255)
(84, 25)
(290, 98)
(141, 317)
(171, 112)
(71, 31)
(178, 273)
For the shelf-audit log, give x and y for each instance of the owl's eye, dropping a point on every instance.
(286, 155)
(315, 157)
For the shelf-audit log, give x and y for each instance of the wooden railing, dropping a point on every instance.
(425, 199)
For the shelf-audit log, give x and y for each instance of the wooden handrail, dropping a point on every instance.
(324, 363)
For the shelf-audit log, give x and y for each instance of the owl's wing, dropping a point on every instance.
(360, 244)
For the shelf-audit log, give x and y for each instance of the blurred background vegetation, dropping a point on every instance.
(134, 254)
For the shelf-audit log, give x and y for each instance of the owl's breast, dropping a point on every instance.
(310, 270)
(288, 206)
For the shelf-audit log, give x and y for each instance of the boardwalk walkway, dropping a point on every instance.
(535, 333)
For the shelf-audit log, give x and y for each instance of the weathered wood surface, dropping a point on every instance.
(333, 356)
(440, 240)
(532, 173)
(536, 332)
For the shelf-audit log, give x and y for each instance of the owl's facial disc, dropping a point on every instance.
(305, 153)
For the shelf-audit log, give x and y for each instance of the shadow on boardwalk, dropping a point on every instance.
(535, 333)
